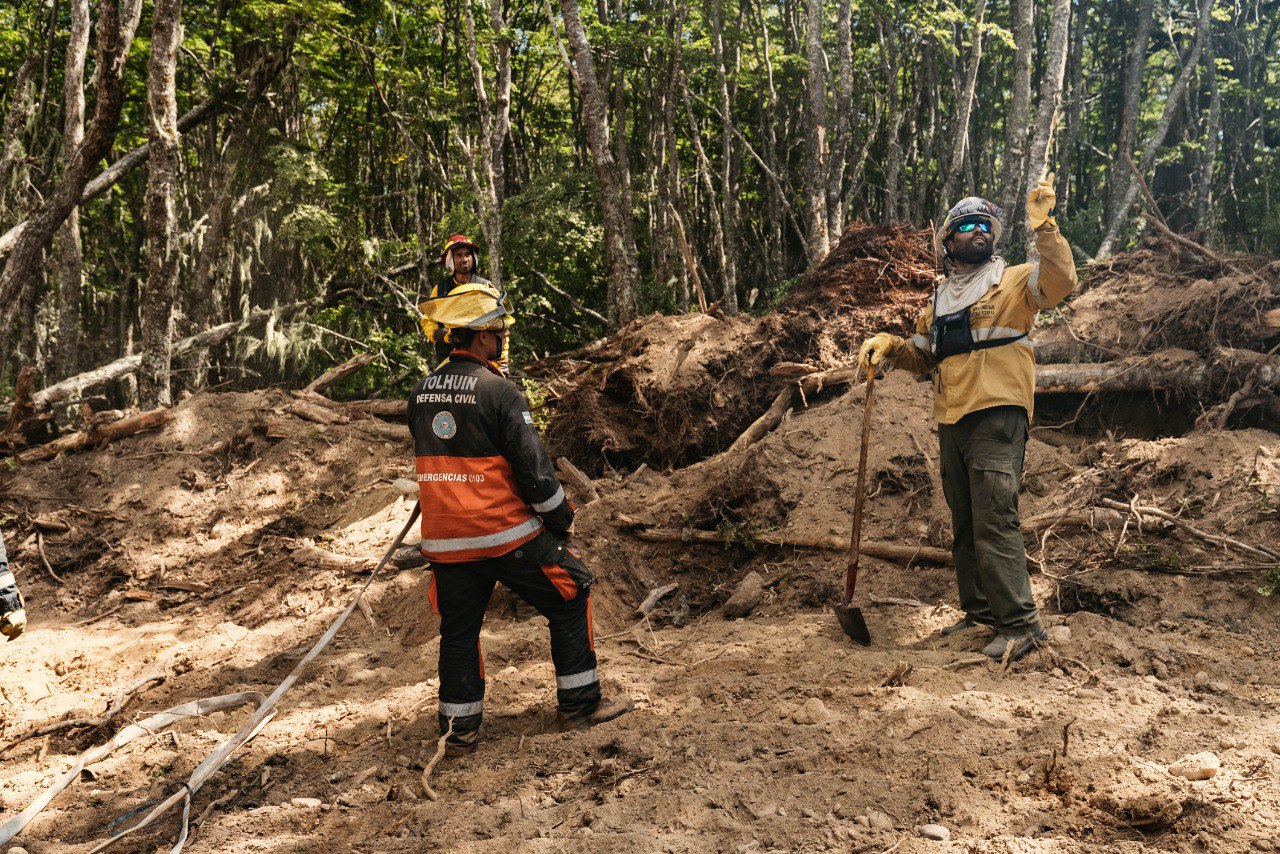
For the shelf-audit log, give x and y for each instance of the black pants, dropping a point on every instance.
(551, 578)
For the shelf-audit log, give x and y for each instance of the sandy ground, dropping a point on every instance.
(769, 733)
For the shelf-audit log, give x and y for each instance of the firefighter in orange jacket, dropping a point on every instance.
(493, 511)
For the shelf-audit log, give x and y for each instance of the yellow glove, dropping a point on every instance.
(12, 623)
(1040, 201)
(879, 347)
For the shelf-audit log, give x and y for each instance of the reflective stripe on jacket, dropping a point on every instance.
(485, 480)
(998, 376)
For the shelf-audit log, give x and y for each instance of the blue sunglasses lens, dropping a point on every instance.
(967, 227)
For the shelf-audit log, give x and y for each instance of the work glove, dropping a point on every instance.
(879, 347)
(1040, 201)
(12, 623)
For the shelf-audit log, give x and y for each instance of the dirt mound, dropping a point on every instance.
(1157, 298)
(670, 390)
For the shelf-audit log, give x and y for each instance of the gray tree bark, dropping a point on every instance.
(1204, 193)
(964, 107)
(19, 111)
(1118, 181)
(154, 386)
(839, 160)
(728, 193)
(815, 169)
(70, 250)
(1046, 114)
(495, 121)
(1018, 118)
(117, 22)
(1152, 147)
(620, 259)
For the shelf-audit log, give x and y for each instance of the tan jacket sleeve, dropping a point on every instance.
(1055, 274)
(916, 356)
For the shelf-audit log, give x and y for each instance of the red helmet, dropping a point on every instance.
(454, 242)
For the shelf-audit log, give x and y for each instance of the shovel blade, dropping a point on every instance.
(853, 624)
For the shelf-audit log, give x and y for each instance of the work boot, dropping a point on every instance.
(408, 557)
(461, 743)
(967, 623)
(608, 709)
(1015, 646)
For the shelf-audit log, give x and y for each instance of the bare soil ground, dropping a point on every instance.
(768, 733)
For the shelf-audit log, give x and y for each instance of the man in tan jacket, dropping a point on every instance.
(973, 340)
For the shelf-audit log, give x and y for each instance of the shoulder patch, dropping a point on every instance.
(528, 418)
(444, 425)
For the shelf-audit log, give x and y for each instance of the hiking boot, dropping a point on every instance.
(967, 623)
(608, 709)
(461, 743)
(408, 557)
(1015, 646)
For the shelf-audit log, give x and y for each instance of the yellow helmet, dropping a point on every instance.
(470, 306)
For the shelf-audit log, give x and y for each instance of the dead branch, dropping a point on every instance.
(655, 596)
(44, 559)
(887, 551)
(340, 372)
(577, 479)
(1224, 541)
(113, 710)
(572, 300)
(98, 435)
(426, 772)
(307, 553)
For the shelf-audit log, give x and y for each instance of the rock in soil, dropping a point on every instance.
(935, 831)
(812, 712)
(749, 594)
(1199, 766)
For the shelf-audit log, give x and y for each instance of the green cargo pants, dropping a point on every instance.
(982, 456)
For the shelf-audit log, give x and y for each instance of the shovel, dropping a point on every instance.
(851, 619)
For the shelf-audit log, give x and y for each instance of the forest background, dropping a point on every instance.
(175, 166)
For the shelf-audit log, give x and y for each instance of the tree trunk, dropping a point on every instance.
(1018, 118)
(621, 261)
(960, 132)
(19, 110)
(1071, 134)
(1047, 112)
(1152, 148)
(1118, 177)
(261, 77)
(1204, 194)
(815, 170)
(117, 21)
(70, 251)
(844, 124)
(891, 66)
(728, 194)
(495, 121)
(162, 255)
(72, 388)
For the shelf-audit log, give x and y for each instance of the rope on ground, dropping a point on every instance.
(149, 726)
(216, 760)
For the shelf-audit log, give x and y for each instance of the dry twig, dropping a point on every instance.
(426, 772)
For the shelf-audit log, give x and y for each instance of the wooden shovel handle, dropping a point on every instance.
(851, 577)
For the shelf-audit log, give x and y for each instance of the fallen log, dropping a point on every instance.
(577, 479)
(396, 410)
(307, 554)
(830, 542)
(318, 414)
(97, 435)
(75, 387)
(1167, 370)
(340, 372)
